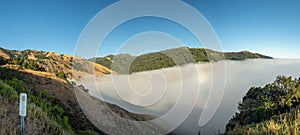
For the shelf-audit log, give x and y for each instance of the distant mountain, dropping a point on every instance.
(126, 63)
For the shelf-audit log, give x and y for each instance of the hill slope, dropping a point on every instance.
(37, 121)
(42, 75)
(49, 91)
(126, 63)
(273, 109)
(50, 62)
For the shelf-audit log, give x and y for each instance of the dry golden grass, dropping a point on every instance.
(287, 124)
(3, 54)
(36, 122)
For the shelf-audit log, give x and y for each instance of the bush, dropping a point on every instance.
(26, 63)
(61, 75)
(18, 85)
(8, 91)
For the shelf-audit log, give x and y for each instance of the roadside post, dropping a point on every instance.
(22, 110)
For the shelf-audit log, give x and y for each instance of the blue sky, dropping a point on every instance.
(270, 27)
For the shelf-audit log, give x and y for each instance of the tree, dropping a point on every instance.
(261, 103)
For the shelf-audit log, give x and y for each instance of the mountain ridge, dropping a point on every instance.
(120, 63)
(50, 62)
(127, 63)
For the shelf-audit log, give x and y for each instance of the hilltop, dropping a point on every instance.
(50, 62)
(122, 63)
(126, 63)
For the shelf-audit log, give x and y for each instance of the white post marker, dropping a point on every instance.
(22, 109)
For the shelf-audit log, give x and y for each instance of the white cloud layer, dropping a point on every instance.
(156, 92)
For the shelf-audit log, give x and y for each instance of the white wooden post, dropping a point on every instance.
(22, 110)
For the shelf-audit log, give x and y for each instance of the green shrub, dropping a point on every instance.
(18, 85)
(39, 119)
(8, 91)
(61, 75)
(66, 124)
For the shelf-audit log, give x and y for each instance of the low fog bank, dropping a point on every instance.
(156, 92)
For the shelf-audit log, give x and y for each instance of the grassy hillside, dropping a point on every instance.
(50, 62)
(55, 99)
(273, 109)
(52, 99)
(283, 124)
(54, 96)
(43, 117)
(126, 63)
(43, 75)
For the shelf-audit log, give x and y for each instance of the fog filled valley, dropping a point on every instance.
(150, 67)
(156, 97)
(161, 91)
(160, 94)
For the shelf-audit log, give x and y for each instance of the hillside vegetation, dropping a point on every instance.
(53, 96)
(50, 62)
(43, 117)
(54, 99)
(52, 103)
(43, 76)
(126, 63)
(272, 109)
